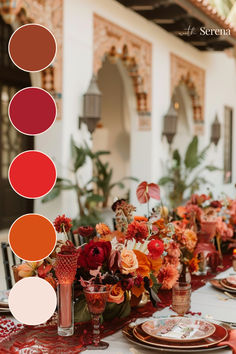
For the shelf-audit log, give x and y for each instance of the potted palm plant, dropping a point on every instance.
(185, 174)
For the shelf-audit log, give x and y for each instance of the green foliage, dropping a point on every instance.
(81, 312)
(113, 310)
(184, 175)
(93, 194)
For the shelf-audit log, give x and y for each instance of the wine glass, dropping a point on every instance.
(96, 297)
(181, 298)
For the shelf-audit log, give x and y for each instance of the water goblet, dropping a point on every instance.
(181, 298)
(96, 298)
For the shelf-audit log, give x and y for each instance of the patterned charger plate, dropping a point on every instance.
(179, 329)
(128, 333)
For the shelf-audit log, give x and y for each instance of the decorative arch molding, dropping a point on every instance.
(193, 77)
(50, 15)
(114, 42)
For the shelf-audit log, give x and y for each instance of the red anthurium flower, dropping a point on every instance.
(146, 191)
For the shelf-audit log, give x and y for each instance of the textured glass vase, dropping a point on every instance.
(65, 309)
(66, 265)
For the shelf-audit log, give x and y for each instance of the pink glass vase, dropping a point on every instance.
(65, 268)
(206, 244)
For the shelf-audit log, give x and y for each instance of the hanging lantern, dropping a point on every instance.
(92, 106)
(170, 123)
(9, 9)
(215, 131)
(197, 109)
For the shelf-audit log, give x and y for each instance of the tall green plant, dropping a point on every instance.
(185, 174)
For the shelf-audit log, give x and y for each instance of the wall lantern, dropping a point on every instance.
(92, 106)
(197, 108)
(215, 131)
(170, 123)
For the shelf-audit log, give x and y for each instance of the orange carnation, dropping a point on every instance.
(102, 229)
(181, 210)
(140, 218)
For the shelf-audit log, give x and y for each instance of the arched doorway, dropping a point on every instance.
(114, 132)
(12, 142)
(185, 123)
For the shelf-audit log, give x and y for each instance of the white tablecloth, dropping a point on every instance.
(207, 300)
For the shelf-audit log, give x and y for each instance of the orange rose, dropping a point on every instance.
(129, 262)
(27, 269)
(116, 294)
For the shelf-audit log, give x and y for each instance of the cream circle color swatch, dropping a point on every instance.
(32, 301)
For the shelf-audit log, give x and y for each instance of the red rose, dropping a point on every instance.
(94, 254)
(156, 248)
(216, 204)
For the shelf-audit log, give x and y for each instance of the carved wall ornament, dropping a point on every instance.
(193, 77)
(114, 42)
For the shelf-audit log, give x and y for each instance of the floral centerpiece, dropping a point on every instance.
(136, 259)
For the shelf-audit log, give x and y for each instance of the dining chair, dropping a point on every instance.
(9, 260)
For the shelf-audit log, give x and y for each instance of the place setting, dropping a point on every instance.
(182, 332)
(227, 285)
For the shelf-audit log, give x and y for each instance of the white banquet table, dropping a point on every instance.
(207, 300)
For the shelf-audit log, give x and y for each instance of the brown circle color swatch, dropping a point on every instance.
(32, 47)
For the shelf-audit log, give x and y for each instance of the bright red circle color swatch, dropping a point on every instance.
(32, 47)
(32, 110)
(32, 237)
(32, 174)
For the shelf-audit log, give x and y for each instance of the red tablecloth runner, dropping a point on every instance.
(45, 339)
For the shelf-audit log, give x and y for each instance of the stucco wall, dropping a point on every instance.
(148, 149)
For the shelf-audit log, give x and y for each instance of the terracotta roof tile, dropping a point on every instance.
(212, 13)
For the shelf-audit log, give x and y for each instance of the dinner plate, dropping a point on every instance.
(179, 329)
(217, 284)
(128, 333)
(227, 285)
(232, 280)
(218, 336)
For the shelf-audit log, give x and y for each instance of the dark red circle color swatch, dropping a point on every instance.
(32, 174)
(32, 47)
(32, 110)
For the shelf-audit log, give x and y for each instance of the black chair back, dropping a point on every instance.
(9, 260)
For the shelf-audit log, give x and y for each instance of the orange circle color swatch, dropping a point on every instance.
(32, 237)
(32, 174)
(32, 47)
